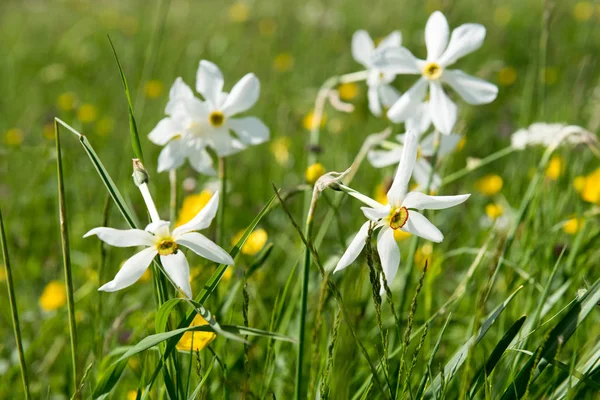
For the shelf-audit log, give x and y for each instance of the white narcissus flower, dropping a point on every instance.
(380, 92)
(193, 124)
(443, 50)
(160, 240)
(401, 212)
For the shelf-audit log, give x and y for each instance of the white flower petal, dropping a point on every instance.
(209, 81)
(202, 162)
(250, 130)
(179, 91)
(448, 143)
(172, 155)
(394, 39)
(178, 269)
(384, 158)
(362, 48)
(388, 95)
(436, 35)
(355, 247)
(407, 162)
(375, 214)
(396, 60)
(464, 40)
(442, 110)
(204, 247)
(122, 237)
(374, 104)
(420, 120)
(472, 89)
(389, 253)
(158, 228)
(419, 225)
(131, 270)
(222, 142)
(405, 107)
(243, 95)
(202, 220)
(421, 175)
(421, 201)
(164, 131)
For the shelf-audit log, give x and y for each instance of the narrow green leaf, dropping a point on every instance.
(194, 395)
(109, 379)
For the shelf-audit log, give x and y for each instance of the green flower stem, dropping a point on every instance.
(173, 199)
(483, 162)
(222, 204)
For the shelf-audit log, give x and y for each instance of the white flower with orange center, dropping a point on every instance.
(401, 212)
(159, 240)
(380, 92)
(443, 50)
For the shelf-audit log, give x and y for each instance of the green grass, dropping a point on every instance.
(52, 48)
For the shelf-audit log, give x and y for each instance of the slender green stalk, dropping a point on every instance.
(303, 308)
(173, 199)
(481, 163)
(222, 203)
(13, 309)
(64, 234)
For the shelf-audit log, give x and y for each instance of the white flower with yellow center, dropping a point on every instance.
(380, 92)
(401, 212)
(160, 240)
(443, 50)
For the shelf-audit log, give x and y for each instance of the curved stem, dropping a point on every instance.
(483, 162)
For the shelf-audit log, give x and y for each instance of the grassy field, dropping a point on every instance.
(528, 229)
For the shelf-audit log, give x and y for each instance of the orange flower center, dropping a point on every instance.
(398, 217)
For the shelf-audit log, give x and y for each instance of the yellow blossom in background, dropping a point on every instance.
(583, 10)
(280, 148)
(283, 62)
(54, 296)
(400, 235)
(48, 131)
(267, 26)
(227, 274)
(549, 75)
(589, 187)
(255, 242)
(132, 395)
(199, 340)
(14, 137)
(489, 185)
(423, 254)
(66, 101)
(348, 91)
(146, 275)
(573, 225)
(380, 194)
(239, 11)
(309, 121)
(104, 126)
(153, 88)
(494, 210)
(314, 172)
(579, 183)
(87, 113)
(134, 364)
(502, 16)
(507, 76)
(555, 168)
(192, 205)
(2, 273)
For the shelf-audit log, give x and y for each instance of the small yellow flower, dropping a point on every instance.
(54, 296)
(192, 205)
(239, 11)
(583, 10)
(227, 274)
(132, 395)
(154, 88)
(48, 131)
(489, 185)
(494, 210)
(502, 16)
(14, 137)
(400, 235)
(280, 148)
(267, 26)
(66, 101)
(507, 76)
(348, 91)
(381, 193)
(146, 275)
(423, 254)
(199, 340)
(573, 225)
(549, 75)
(590, 190)
(2, 273)
(310, 123)
(87, 113)
(313, 173)
(255, 242)
(104, 126)
(283, 62)
(555, 168)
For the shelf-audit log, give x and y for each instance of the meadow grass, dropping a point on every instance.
(506, 309)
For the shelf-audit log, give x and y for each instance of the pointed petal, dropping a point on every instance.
(384, 158)
(204, 247)
(448, 143)
(172, 155)
(396, 60)
(122, 238)
(436, 35)
(472, 89)
(178, 269)
(243, 95)
(164, 131)
(223, 144)
(362, 48)
(375, 214)
(419, 225)
(394, 39)
(407, 162)
(354, 248)
(405, 106)
(202, 220)
(421, 201)
(442, 110)
(464, 40)
(209, 81)
(201, 161)
(388, 95)
(131, 270)
(389, 253)
(250, 130)
(420, 120)
(159, 228)
(179, 92)
(374, 104)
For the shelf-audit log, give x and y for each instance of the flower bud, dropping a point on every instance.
(140, 175)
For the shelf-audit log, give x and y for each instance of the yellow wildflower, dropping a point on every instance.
(502, 16)
(280, 149)
(104, 126)
(590, 187)
(66, 101)
(192, 205)
(579, 183)
(54, 296)
(314, 172)
(239, 11)
(423, 254)
(555, 168)
(494, 210)
(267, 26)
(146, 275)
(255, 242)
(400, 235)
(309, 121)
(153, 88)
(489, 185)
(583, 10)
(507, 76)
(573, 225)
(381, 193)
(283, 62)
(14, 137)
(348, 91)
(87, 113)
(2, 273)
(199, 340)
(227, 275)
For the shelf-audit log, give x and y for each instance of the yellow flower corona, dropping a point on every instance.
(199, 340)
(489, 185)
(54, 296)
(314, 172)
(255, 242)
(192, 205)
